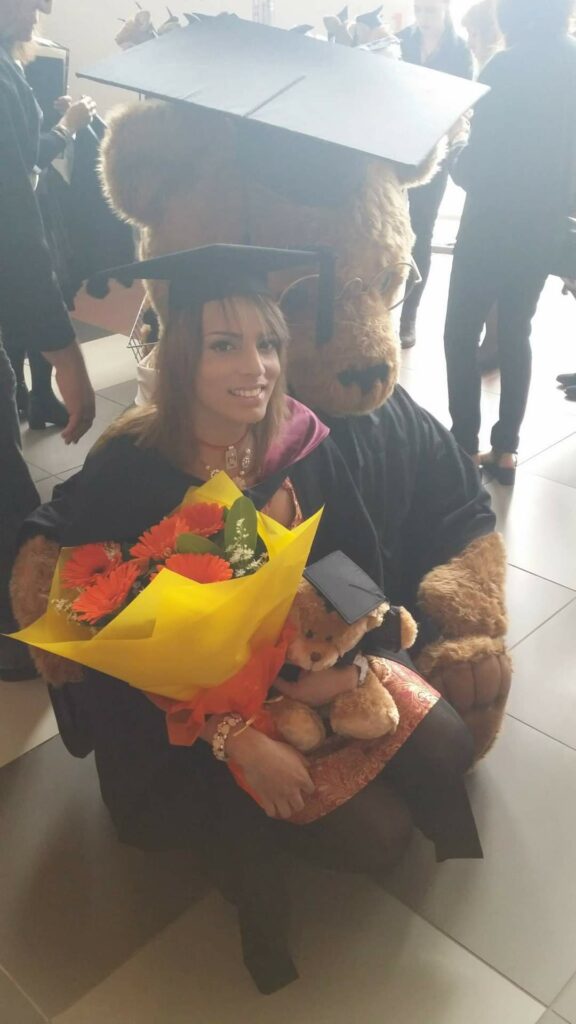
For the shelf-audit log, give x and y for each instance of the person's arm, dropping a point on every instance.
(76, 390)
(274, 771)
(488, 127)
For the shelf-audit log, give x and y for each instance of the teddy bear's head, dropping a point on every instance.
(323, 637)
(188, 177)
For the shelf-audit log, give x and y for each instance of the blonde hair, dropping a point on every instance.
(165, 423)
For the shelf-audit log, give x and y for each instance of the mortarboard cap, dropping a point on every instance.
(345, 586)
(218, 271)
(268, 76)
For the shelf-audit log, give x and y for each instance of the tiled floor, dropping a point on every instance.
(92, 932)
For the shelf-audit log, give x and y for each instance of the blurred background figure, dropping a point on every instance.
(432, 41)
(518, 174)
(483, 31)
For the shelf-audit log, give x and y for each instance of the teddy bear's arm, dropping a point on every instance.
(468, 664)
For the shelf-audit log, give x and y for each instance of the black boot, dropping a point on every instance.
(46, 410)
(22, 399)
(567, 380)
(263, 921)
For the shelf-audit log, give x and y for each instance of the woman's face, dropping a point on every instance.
(239, 365)
(18, 19)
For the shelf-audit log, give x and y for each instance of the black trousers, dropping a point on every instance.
(18, 495)
(489, 270)
(425, 204)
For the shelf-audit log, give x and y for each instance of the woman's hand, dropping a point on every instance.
(317, 688)
(78, 115)
(276, 773)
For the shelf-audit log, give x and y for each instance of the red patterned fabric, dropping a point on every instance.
(343, 767)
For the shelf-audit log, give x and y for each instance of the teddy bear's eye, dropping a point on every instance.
(329, 639)
(309, 634)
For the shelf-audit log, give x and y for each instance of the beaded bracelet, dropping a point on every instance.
(222, 733)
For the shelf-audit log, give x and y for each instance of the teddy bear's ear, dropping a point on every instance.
(152, 151)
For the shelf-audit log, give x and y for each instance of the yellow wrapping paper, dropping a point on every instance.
(179, 636)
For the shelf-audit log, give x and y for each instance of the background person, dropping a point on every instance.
(432, 41)
(516, 173)
(30, 306)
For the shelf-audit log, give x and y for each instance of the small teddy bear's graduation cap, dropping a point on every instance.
(289, 81)
(345, 586)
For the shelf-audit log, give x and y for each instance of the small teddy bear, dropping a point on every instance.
(324, 638)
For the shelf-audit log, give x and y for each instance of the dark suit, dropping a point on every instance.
(31, 305)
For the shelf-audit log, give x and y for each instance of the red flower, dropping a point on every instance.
(159, 541)
(89, 563)
(108, 594)
(202, 568)
(204, 519)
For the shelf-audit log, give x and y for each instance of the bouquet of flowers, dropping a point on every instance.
(193, 614)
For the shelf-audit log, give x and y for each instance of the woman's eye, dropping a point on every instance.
(223, 345)
(268, 345)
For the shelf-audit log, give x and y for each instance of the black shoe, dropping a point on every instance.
(567, 380)
(46, 410)
(22, 400)
(16, 664)
(570, 393)
(266, 957)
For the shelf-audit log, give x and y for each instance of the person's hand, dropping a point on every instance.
(79, 115)
(76, 390)
(317, 688)
(275, 772)
(62, 104)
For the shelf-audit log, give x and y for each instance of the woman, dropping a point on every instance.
(220, 402)
(483, 31)
(516, 170)
(431, 42)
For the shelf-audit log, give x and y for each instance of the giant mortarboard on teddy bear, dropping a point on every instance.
(317, 149)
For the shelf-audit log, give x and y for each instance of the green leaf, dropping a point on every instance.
(192, 544)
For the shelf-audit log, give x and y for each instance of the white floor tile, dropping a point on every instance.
(109, 360)
(26, 718)
(557, 463)
(361, 956)
(544, 690)
(531, 601)
(538, 520)
(565, 1004)
(46, 449)
(551, 1018)
(517, 908)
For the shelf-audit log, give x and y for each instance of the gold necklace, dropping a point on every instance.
(237, 464)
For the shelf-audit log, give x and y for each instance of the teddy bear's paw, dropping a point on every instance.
(365, 714)
(298, 724)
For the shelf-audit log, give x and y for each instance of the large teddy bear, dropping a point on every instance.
(185, 177)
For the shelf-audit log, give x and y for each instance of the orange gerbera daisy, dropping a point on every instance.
(159, 541)
(89, 563)
(202, 568)
(204, 519)
(108, 594)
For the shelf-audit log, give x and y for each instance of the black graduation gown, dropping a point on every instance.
(422, 492)
(123, 490)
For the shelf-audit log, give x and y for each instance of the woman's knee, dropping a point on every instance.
(442, 743)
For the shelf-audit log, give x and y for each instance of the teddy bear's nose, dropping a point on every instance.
(315, 656)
